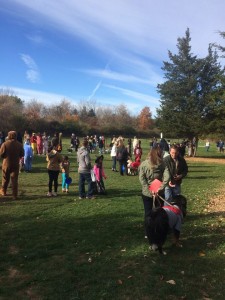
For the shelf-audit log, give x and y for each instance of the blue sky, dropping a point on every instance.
(109, 52)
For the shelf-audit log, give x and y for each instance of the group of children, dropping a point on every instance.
(56, 163)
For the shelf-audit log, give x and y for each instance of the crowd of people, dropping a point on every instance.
(165, 163)
(126, 158)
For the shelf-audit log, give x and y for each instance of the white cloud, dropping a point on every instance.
(36, 39)
(32, 72)
(30, 63)
(148, 28)
(32, 76)
(117, 76)
(94, 91)
(44, 97)
(145, 99)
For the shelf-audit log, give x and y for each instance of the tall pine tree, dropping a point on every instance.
(189, 92)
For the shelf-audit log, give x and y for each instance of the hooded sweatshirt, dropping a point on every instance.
(84, 160)
(54, 159)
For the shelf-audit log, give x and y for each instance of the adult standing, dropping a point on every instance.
(207, 145)
(54, 159)
(178, 169)
(122, 156)
(84, 170)
(150, 169)
(100, 145)
(11, 151)
(113, 155)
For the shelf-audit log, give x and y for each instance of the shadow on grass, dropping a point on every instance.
(64, 255)
(202, 177)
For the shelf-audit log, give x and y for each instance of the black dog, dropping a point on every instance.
(164, 219)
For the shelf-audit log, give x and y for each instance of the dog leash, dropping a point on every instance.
(165, 200)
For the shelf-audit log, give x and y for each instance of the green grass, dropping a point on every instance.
(66, 248)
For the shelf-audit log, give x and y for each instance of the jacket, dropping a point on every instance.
(99, 172)
(84, 160)
(180, 169)
(122, 154)
(11, 151)
(54, 160)
(148, 173)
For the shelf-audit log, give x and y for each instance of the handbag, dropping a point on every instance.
(93, 176)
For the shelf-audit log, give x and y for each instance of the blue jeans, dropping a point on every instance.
(170, 192)
(114, 162)
(27, 163)
(82, 178)
(64, 184)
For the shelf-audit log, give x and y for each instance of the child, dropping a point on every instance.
(65, 173)
(28, 156)
(99, 174)
(54, 160)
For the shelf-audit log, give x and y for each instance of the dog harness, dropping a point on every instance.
(175, 216)
(174, 209)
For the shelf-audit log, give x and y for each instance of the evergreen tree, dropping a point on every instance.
(189, 92)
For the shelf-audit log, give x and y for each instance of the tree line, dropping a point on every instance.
(84, 119)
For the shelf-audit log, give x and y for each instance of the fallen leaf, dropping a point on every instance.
(130, 277)
(182, 272)
(89, 259)
(124, 250)
(171, 282)
(201, 254)
(119, 281)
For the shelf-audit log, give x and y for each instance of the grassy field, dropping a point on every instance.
(66, 248)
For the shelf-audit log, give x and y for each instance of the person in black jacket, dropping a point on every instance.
(178, 169)
(122, 156)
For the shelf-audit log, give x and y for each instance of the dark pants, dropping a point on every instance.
(53, 177)
(123, 167)
(82, 178)
(148, 204)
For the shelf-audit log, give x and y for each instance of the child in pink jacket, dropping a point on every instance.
(99, 175)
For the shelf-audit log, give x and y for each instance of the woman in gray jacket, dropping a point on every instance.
(150, 169)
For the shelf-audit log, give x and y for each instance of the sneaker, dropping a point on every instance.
(63, 190)
(90, 197)
(54, 194)
(67, 191)
(49, 194)
(81, 198)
